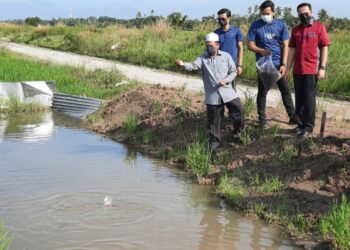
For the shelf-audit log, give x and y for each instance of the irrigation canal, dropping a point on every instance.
(54, 177)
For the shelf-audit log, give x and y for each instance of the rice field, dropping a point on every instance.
(159, 45)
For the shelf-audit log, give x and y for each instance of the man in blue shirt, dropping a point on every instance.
(230, 38)
(269, 37)
(231, 41)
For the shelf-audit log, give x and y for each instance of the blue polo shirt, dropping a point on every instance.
(229, 39)
(269, 36)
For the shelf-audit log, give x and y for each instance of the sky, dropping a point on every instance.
(20, 9)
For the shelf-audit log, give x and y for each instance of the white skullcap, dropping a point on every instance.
(212, 37)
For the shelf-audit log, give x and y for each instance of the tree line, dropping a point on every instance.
(178, 20)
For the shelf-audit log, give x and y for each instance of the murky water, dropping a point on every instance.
(54, 178)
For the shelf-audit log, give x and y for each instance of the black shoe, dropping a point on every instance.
(298, 130)
(214, 146)
(236, 136)
(305, 133)
(262, 124)
(293, 120)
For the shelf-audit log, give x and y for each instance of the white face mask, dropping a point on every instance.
(267, 18)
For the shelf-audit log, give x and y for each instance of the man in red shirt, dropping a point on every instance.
(308, 50)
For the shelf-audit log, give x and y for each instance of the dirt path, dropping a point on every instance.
(336, 109)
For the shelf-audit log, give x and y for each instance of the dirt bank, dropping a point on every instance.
(314, 173)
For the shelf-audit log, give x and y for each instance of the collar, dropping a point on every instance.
(311, 23)
(274, 21)
(230, 28)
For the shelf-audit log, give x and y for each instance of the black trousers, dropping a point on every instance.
(286, 98)
(214, 116)
(305, 100)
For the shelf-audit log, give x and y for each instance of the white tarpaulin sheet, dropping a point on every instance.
(27, 92)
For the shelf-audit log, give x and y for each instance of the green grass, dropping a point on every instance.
(146, 137)
(131, 124)
(300, 223)
(271, 185)
(13, 105)
(287, 155)
(249, 105)
(274, 131)
(158, 46)
(76, 81)
(5, 241)
(157, 108)
(249, 134)
(245, 136)
(198, 157)
(337, 224)
(233, 192)
(338, 74)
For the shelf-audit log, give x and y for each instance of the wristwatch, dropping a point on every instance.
(323, 67)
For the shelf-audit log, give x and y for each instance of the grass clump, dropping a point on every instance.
(299, 222)
(337, 224)
(232, 192)
(249, 134)
(14, 105)
(271, 185)
(198, 156)
(131, 124)
(157, 107)
(5, 241)
(274, 131)
(288, 153)
(249, 104)
(245, 136)
(146, 137)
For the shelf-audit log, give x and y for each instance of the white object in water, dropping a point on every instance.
(107, 201)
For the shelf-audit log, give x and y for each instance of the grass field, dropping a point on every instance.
(158, 46)
(77, 81)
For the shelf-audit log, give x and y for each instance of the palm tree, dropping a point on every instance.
(176, 19)
(323, 16)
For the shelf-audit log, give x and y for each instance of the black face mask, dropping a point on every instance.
(305, 19)
(211, 51)
(222, 22)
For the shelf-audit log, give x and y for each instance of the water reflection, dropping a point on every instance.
(33, 128)
(221, 228)
(131, 157)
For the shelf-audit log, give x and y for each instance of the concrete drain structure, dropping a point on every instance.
(43, 93)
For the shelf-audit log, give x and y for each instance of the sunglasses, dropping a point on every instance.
(221, 19)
